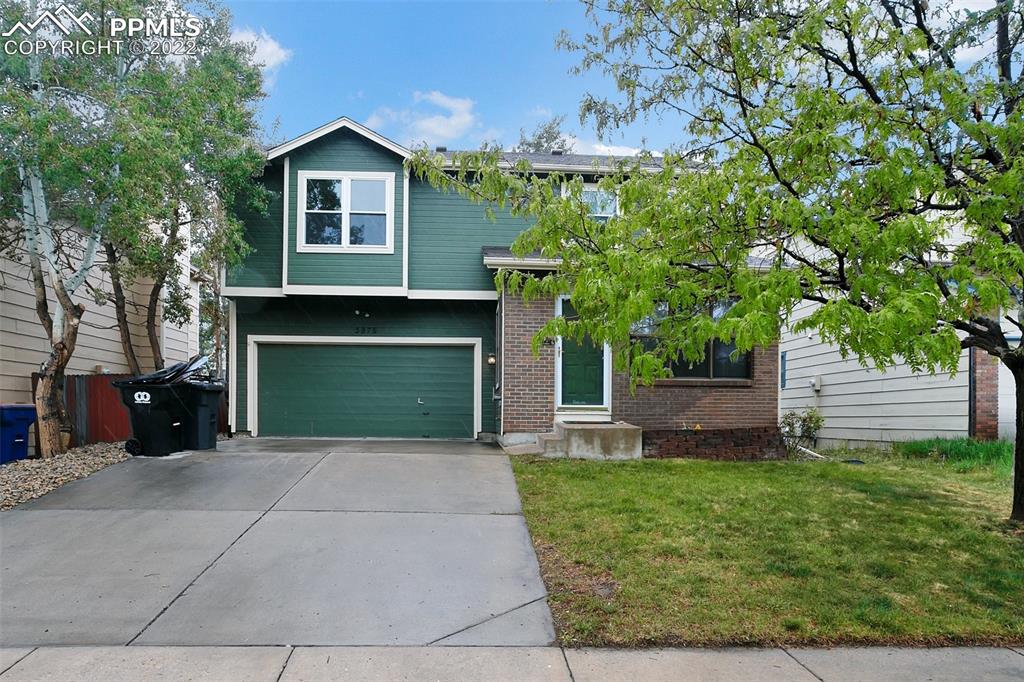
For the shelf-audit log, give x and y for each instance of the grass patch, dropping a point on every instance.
(961, 454)
(902, 550)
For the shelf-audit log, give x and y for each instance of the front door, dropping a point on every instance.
(582, 369)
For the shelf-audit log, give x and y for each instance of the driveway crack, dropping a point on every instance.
(225, 551)
(488, 619)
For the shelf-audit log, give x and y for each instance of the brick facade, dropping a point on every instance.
(743, 443)
(528, 381)
(985, 397)
(738, 419)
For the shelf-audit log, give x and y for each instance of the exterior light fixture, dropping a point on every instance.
(491, 360)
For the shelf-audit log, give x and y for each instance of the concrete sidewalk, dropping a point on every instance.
(269, 664)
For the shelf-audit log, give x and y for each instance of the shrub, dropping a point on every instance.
(800, 428)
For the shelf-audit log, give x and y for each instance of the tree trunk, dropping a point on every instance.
(121, 311)
(49, 398)
(1017, 509)
(151, 331)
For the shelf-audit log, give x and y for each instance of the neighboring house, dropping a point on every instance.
(863, 406)
(368, 309)
(24, 346)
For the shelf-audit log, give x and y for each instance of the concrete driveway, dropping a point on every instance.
(278, 542)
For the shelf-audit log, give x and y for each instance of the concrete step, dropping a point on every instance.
(601, 440)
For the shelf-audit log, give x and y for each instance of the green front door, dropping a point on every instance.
(582, 369)
(365, 391)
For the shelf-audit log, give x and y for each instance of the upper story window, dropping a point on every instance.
(346, 212)
(602, 203)
(718, 362)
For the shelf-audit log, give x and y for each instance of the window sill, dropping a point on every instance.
(705, 383)
(378, 250)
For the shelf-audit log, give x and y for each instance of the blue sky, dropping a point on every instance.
(451, 73)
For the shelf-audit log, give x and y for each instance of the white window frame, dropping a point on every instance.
(593, 186)
(346, 178)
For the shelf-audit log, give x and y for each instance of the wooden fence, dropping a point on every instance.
(97, 413)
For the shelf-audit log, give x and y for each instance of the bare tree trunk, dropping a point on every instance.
(49, 399)
(218, 327)
(154, 294)
(120, 308)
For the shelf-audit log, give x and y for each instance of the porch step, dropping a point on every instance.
(586, 440)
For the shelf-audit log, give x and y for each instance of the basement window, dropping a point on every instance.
(345, 212)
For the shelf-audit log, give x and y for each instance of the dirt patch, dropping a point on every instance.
(27, 479)
(569, 583)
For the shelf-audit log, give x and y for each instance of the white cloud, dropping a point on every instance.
(270, 54)
(434, 118)
(600, 148)
(540, 112)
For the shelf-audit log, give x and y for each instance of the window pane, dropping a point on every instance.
(684, 369)
(601, 203)
(323, 195)
(727, 368)
(323, 228)
(369, 195)
(368, 230)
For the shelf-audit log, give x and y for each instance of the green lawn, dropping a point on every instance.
(899, 550)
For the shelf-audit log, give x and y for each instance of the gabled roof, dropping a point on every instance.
(337, 124)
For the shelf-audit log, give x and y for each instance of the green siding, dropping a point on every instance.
(344, 150)
(366, 391)
(262, 267)
(446, 233)
(336, 316)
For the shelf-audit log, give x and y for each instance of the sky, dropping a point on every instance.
(444, 73)
(441, 73)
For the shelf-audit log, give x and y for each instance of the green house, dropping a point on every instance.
(367, 308)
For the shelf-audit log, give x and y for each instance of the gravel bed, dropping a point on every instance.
(27, 479)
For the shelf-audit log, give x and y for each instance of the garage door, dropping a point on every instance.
(365, 391)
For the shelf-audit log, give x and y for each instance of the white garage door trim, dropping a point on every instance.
(253, 342)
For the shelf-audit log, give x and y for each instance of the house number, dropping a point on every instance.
(366, 330)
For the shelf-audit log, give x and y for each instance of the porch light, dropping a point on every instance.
(491, 360)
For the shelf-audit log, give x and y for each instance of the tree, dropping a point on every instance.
(545, 137)
(863, 157)
(124, 151)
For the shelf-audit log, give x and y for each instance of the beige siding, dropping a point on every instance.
(23, 343)
(864, 406)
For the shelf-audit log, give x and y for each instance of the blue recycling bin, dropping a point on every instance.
(14, 423)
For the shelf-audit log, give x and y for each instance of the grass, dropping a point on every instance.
(906, 549)
(962, 454)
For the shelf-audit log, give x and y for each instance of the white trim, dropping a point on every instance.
(454, 294)
(337, 124)
(345, 212)
(273, 292)
(581, 411)
(343, 290)
(232, 364)
(405, 228)
(252, 365)
(285, 251)
(495, 262)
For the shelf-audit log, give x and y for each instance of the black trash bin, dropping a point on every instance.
(171, 410)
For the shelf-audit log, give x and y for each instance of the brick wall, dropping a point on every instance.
(528, 386)
(681, 404)
(742, 443)
(986, 395)
(738, 418)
